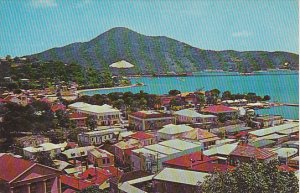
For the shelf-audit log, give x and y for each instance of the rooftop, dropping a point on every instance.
(192, 113)
(162, 149)
(286, 152)
(208, 167)
(140, 135)
(179, 144)
(218, 109)
(180, 176)
(225, 149)
(270, 130)
(150, 114)
(252, 152)
(175, 129)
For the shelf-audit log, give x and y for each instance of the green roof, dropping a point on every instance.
(262, 143)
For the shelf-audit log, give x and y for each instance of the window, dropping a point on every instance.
(107, 160)
(48, 186)
(103, 161)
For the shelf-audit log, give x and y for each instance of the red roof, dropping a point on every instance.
(140, 135)
(11, 167)
(252, 152)
(78, 184)
(2, 100)
(143, 115)
(77, 115)
(218, 109)
(286, 168)
(185, 161)
(211, 167)
(97, 176)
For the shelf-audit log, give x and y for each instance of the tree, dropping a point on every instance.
(266, 98)
(93, 189)
(226, 95)
(255, 177)
(174, 92)
(44, 159)
(91, 122)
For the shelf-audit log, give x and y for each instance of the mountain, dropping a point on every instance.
(160, 54)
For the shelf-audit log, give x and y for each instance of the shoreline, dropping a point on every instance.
(108, 88)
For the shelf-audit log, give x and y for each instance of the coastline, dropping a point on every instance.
(108, 88)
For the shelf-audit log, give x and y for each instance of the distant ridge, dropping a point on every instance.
(160, 54)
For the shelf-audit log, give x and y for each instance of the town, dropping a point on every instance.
(62, 141)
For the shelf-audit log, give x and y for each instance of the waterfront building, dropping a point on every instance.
(104, 115)
(22, 176)
(149, 120)
(269, 120)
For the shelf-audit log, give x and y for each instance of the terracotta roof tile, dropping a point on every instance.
(211, 167)
(252, 152)
(185, 160)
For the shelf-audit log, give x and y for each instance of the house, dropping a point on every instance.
(78, 119)
(51, 148)
(221, 152)
(192, 117)
(99, 137)
(205, 137)
(122, 150)
(172, 131)
(188, 160)
(104, 115)
(275, 137)
(284, 153)
(138, 185)
(275, 129)
(246, 153)
(150, 158)
(172, 180)
(263, 143)
(143, 138)
(78, 153)
(149, 120)
(269, 120)
(221, 111)
(101, 158)
(32, 140)
(19, 175)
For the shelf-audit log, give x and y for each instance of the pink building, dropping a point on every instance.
(22, 176)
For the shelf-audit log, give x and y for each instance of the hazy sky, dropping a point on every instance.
(31, 26)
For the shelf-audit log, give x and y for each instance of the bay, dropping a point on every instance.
(281, 88)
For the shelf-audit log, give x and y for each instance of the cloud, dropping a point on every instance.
(43, 3)
(241, 34)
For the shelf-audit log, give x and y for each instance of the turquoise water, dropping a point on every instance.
(281, 88)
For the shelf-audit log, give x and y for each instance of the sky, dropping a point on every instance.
(32, 26)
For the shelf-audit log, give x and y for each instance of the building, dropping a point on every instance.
(192, 117)
(104, 115)
(150, 158)
(221, 152)
(275, 129)
(149, 120)
(22, 176)
(78, 153)
(51, 148)
(122, 150)
(143, 138)
(269, 120)
(246, 153)
(99, 137)
(285, 153)
(200, 135)
(263, 143)
(101, 158)
(221, 111)
(32, 140)
(172, 131)
(78, 119)
(172, 180)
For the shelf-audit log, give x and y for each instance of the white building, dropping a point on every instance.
(98, 137)
(105, 114)
(191, 116)
(51, 148)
